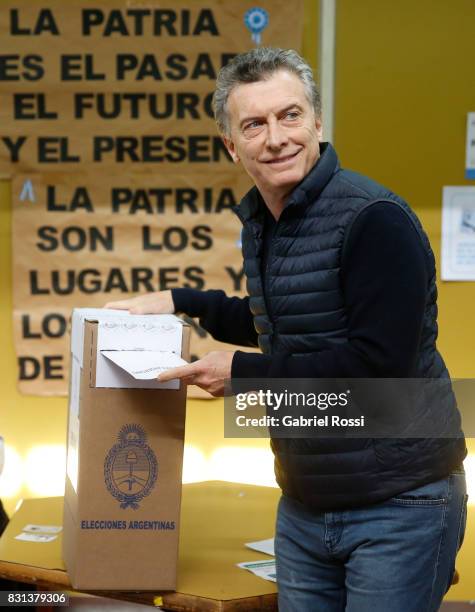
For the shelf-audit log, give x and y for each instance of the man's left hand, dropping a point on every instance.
(209, 373)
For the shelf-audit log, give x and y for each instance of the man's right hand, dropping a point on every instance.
(158, 302)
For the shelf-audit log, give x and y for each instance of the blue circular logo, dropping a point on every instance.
(256, 20)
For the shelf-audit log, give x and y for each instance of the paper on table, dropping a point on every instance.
(145, 365)
(36, 537)
(42, 528)
(265, 546)
(263, 569)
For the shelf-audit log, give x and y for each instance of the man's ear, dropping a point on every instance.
(319, 126)
(229, 144)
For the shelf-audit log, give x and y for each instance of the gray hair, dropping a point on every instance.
(258, 65)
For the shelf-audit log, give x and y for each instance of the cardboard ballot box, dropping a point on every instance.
(125, 451)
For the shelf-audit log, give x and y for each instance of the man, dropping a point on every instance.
(341, 283)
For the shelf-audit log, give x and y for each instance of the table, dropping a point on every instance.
(216, 519)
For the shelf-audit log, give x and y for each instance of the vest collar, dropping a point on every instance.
(251, 206)
(318, 177)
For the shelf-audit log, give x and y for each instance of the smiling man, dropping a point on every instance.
(341, 283)
(274, 134)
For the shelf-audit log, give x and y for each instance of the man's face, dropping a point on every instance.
(273, 132)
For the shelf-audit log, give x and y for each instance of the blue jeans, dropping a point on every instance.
(396, 556)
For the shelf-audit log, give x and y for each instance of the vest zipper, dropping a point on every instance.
(266, 287)
(266, 284)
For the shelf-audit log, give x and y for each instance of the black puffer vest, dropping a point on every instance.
(302, 310)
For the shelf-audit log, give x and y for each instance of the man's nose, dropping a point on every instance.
(276, 135)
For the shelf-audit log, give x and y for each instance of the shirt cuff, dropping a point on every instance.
(191, 302)
(250, 365)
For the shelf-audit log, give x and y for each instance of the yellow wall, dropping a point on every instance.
(402, 94)
(403, 90)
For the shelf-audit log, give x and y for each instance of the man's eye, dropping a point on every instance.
(291, 115)
(253, 124)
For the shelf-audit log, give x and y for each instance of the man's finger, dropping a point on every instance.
(180, 372)
(120, 305)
